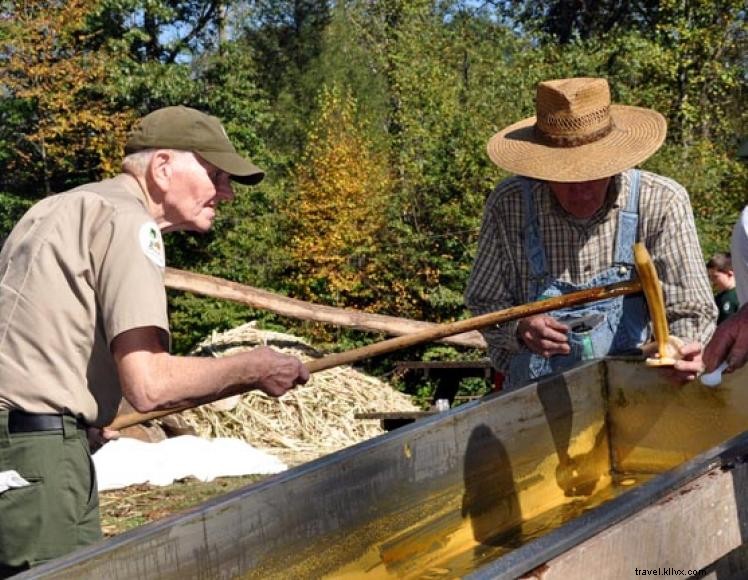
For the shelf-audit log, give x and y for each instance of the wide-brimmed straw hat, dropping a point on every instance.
(577, 134)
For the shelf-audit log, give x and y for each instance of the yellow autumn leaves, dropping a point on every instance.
(339, 209)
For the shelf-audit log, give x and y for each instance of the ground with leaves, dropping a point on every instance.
(125, 509)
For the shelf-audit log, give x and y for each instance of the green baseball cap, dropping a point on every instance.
(188, 129)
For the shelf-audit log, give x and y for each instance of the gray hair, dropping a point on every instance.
(136, 163)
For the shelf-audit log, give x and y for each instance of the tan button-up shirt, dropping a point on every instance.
(78, 269)
(578, 250)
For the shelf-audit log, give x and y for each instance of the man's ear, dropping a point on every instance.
(160, 169)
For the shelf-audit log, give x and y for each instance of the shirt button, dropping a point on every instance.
(623, 270)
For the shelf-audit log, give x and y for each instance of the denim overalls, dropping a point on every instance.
(611, 326)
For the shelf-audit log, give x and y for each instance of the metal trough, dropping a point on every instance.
(600, 472)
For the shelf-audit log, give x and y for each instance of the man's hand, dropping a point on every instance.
(544, 335)
(98, 436)
(688, 363)
(729, 343)
(152, 379)
(282, 372)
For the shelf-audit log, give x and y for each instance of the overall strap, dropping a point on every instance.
(533, 245)
(628, 222)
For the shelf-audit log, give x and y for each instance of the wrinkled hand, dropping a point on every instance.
(98, 436)
(729, 343)
(688, 362)
(544, 335)
(672, 348)
(282, 372)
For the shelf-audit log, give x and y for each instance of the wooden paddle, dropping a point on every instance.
(427, 335)
(656, 304)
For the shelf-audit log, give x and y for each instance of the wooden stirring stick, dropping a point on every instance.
(435, 332)
(655, 303)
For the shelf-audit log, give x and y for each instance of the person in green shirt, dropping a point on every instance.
(719, 268)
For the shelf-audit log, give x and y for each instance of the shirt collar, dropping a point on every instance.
(133, 186)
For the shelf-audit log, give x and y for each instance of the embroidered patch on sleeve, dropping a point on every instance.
(152, 244)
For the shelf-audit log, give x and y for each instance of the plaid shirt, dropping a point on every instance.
(579, 249)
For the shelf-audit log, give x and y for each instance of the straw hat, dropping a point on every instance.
(577, 135)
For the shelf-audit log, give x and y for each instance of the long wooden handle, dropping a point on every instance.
(427, 335)
(655, 302)
(294, 308)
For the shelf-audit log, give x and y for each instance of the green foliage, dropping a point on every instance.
(287, 36)
(346, 61)
(60, 130)
(716, 183)
(337, 212)
(247, 243)
(564, 21)
(442, 107)
(11, 209)
(473, 387)
(193, 318)
(159, 31)
(240, 247)
(377, 111)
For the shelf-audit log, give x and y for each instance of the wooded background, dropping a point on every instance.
(371, 119)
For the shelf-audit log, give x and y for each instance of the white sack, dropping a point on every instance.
(128, 461)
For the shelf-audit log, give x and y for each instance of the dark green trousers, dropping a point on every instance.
(59, 512)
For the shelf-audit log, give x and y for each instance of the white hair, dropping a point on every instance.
(136, 163)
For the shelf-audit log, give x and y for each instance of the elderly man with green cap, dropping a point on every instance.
(84, 323)
(568, 220)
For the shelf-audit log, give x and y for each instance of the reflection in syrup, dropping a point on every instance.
(425, 553)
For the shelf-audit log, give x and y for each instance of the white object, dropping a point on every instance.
(11, 479)
(715, 377)
(442, 405)
(128, 461)
(230, 403)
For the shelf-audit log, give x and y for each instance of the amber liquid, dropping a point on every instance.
(457, 553)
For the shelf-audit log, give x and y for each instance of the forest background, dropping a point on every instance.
(370, 118)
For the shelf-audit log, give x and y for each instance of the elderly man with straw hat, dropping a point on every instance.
(569, 219)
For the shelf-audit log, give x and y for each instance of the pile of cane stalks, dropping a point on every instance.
(307, 422)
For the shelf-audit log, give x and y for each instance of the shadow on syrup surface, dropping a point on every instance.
(532, 461)
(447, 548)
